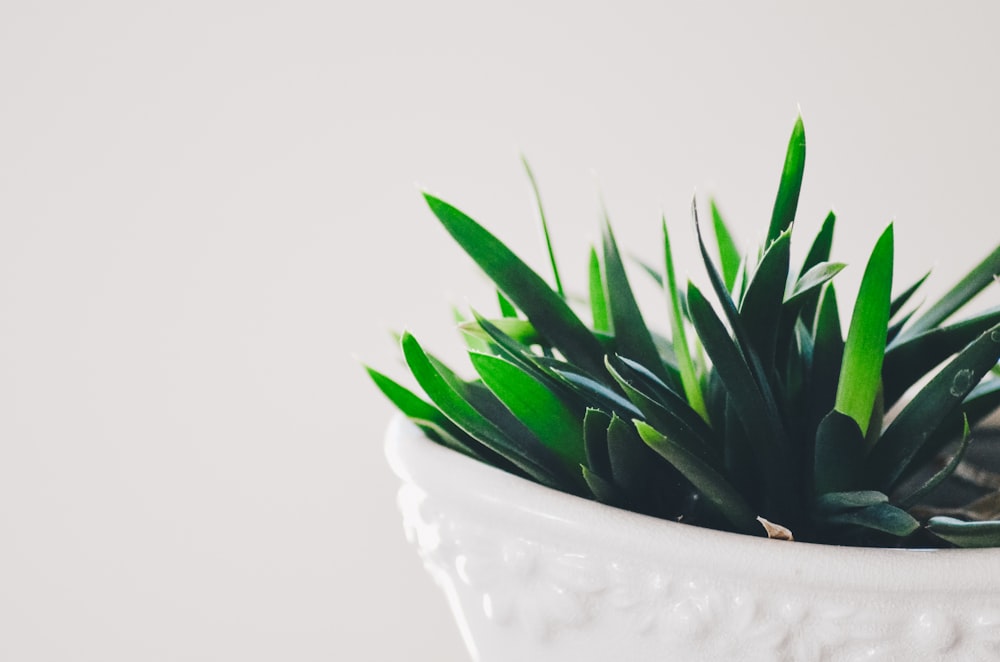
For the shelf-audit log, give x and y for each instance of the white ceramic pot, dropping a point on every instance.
(537, 575)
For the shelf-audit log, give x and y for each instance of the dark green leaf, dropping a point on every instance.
(981, 402)
(828, 351)
(822, 246)
(763, 431)
(818, 253)
(861, 369)
(667, 421)
(883, 517)
(915, 424)
(834, 503)
(598, 394)
(761, 307)
(900, 299)
(840, 451)
(602, 489)
(663, 394)
(965, 534)
(633, 465)
(939, 477)
(973, 283)
(632, 338)
(916, 356)
(548, 312)
(743, 346)
(791, 183)
(712, 485)
(595, 440)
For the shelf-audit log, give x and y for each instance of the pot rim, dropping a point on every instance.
(439, 471)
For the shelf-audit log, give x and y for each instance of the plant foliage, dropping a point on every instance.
(756, 410)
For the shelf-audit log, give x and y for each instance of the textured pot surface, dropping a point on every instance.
(536, 575)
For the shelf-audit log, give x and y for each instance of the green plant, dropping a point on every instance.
(764, 420)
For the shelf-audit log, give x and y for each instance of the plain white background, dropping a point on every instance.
(209, 215)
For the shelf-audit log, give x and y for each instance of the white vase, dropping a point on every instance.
(533, 574)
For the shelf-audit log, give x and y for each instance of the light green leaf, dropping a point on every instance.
(729, 253)
(507, 309)
(861, 369)
(533, 404)
(517, 329)
(689, 378)
(441, 390)
(598, 302)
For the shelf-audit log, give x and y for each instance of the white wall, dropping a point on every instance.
(208, 214)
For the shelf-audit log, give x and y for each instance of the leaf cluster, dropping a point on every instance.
(756, 413)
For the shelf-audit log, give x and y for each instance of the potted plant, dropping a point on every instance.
(753, 486)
